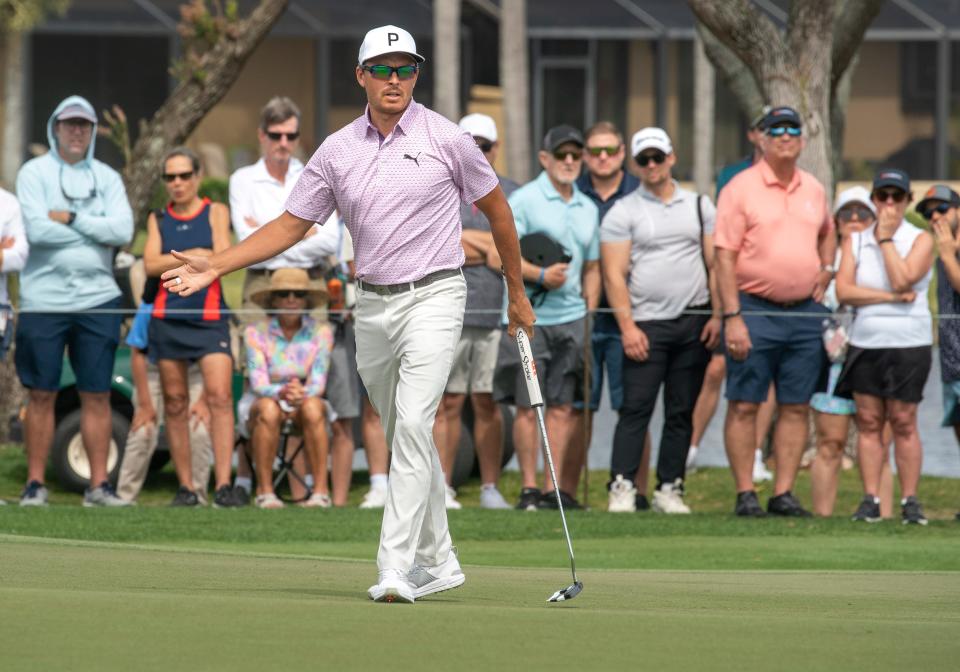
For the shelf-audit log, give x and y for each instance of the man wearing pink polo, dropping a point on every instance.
(397, 175)
(775, 251)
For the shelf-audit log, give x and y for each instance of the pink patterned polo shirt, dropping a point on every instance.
(400, 195)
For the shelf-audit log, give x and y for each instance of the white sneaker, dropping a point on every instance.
(376, 498)
(692, 459)
(622, 497)
(35, 494)
(429, 580)
(669, 498)
(760, 471)
(452, 502)
(490, 498)
(103, 495)
(392, 586)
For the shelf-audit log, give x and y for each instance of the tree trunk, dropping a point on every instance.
(514, 80)
(14, 132)
(183, 110)
(704, 88)
(446, 51)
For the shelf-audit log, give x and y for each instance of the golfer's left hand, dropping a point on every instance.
(195, 274)
(520, 316)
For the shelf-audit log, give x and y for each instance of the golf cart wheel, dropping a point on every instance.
(70, 459)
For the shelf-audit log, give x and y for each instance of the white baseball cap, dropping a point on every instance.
(77, 111)
(480, 126)
(854, 195)
(388, 40)
(650, 138)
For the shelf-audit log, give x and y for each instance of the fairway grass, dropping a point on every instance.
(80, 605)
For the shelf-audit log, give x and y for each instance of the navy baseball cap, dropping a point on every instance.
(559, 135)
(938, 192)
(892, 177)
(782, 115)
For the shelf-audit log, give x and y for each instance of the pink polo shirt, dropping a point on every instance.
(776, 231)
(400, 195)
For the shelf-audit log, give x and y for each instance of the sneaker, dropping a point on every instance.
(430, 580)
(35, 494)
(490, 498)
(760, 471)
(103, 495)
(642, 504)
(529, 499)
(392, 586)
(241, 495)
(185, 497)
(224, 498)
(787, 505)
(317, 500)
(911, 512)
(376, 498)
(668, 498)
(691, 465)
(748, 505)
(548, 500)
(451, 497)
(868, 511)
(622, 496)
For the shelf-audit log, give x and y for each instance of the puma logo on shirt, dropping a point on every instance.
(415, 159)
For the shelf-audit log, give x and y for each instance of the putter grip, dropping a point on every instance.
(529, 368)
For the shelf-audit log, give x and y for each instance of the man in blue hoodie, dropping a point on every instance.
(75, 212)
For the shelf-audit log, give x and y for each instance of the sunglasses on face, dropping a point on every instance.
(657, 157)
(562, 155)
(275, 136)
(484, 145)
(170, 177)
(862, 214)
(597, 151)
(942, 208)
(77, 124)
(778, 131)
(385, 72)
(284, 293)
(886, 195)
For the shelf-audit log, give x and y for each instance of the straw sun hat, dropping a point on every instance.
(286, 279)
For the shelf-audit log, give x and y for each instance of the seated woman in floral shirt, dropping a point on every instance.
(288, 357)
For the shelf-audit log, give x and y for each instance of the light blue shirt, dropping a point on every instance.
(137, 336)
(70, 267)
(539, 208)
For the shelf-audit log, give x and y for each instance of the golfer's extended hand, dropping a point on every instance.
(520, 315)
(195, 274)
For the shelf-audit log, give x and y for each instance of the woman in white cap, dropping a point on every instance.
(853, 212)
(288, 358)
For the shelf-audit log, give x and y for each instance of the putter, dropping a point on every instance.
(536, 401)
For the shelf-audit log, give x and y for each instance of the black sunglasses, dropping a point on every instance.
(942, 208)
(385, 72)
(562, 155)
(656, 157)
(484, 145)
(885, 195)
(863, 214)
(170, 177)
(275, 135)
(284, 293)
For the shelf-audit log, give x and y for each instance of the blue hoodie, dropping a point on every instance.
(71, 267)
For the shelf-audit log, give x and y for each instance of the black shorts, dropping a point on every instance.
(888, 373)
(558, 352)
(187, 340)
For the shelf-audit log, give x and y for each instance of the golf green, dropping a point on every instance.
(78, 605)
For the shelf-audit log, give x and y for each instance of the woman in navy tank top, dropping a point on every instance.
(194, 328)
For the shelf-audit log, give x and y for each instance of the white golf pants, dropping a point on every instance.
(405, 348)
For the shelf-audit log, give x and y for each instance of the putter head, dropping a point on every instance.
(567, 593)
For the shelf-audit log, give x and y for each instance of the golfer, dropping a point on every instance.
(397, 174)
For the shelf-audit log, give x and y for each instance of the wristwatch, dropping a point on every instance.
(727, 316)
(71, 217)
(829, 268)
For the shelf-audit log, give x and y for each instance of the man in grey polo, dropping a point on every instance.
(656, 250)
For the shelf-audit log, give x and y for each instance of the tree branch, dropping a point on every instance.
(810, 21)
(735, 75)
(852, 19)
(749, 34)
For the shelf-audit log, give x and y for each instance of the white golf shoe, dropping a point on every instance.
(490, 498)
(451, 499)
(430, 580)
(622, 497)
(760, 471)
(376, 498)
(392, 586)
(669, 498)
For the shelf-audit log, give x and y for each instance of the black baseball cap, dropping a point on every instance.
(562, 134)
(938, 192)
(892, 177)
(782, 115)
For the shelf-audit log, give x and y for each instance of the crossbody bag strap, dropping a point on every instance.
(703, 252)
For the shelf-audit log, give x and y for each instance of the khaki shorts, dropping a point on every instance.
(474, 361)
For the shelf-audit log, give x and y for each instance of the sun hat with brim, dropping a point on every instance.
(938, 192)
(290, 279)
(854, 195)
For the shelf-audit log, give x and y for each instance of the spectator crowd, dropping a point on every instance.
(766, 290)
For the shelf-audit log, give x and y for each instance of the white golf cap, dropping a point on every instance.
(480, 126)
(854, 195)
(76, 112)
(388, 40)
(650, 138)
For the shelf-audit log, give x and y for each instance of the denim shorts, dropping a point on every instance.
(89, 338)
(787, 351)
